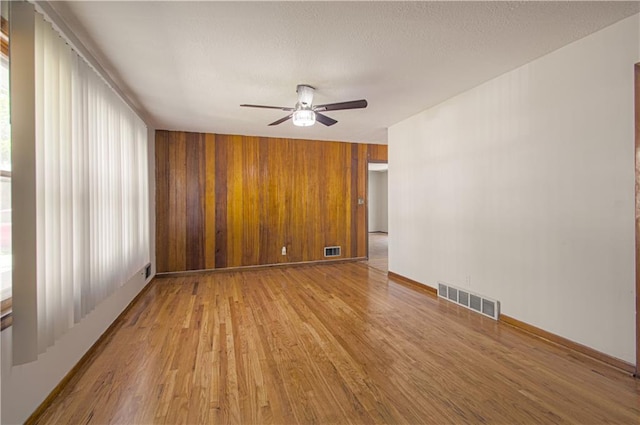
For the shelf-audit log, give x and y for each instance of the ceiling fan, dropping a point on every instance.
(305, 113)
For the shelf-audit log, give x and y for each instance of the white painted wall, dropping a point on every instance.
(378, 216)
(522, 189)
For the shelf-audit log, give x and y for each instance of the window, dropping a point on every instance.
(81, 200)
(5, 171)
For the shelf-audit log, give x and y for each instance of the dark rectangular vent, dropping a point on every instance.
(463, 298)
(147, 271)
(478, 303)
(332, 251)
(488, 307)
(453, 294)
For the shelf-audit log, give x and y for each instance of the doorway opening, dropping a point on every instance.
(377, 216)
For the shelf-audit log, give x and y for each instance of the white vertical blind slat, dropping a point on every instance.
(92, 188)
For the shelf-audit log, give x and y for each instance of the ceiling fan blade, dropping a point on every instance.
(281, 120)
(267, 107)
(354, 104)
(325, 119)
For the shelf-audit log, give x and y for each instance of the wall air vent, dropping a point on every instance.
(475, 302)
(332, 251)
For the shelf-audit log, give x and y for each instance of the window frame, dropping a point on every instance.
(6, 311)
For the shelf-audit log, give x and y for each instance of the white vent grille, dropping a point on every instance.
(475, 302)
(332, 251)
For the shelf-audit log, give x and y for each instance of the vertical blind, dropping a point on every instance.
(92, 188)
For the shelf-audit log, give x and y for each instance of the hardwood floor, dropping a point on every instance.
(329, 344)
(379, 251)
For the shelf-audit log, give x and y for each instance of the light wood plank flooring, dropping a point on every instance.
(329, 344)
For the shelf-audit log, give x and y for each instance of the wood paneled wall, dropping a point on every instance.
(232, 201)
(378, 153)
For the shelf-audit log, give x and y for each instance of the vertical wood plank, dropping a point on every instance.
(249, 254)
(195, 183)
(313, 248)
(210, 202)
(221, 146)
(297, 214)
(281, 151)
(162, 202)
(177, 202)
(332, 167)
(267, 236)
(235, 201)
(323, 227)
(344, 197)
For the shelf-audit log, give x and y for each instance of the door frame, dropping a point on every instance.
(637, 211)
(366, 221)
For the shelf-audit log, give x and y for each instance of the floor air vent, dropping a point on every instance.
(472, 301)
(332, 251)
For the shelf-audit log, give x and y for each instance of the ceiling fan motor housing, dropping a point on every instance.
(305, 96)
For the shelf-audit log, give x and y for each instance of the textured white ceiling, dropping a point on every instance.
(189, 65)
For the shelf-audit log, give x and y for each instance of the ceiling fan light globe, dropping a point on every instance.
(304, 118)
